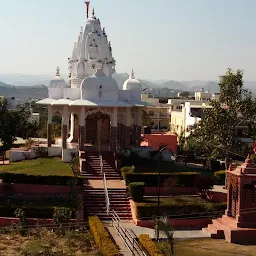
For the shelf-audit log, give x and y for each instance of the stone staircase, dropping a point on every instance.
(91, 169)
(95, 204)
(220, 227)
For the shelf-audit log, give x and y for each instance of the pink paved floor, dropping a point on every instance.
(110, 184)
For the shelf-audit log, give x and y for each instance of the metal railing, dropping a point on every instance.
(106, 194)
(127, 235)
(101, 164)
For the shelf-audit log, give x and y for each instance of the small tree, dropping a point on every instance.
(203, 184)
(164, 226)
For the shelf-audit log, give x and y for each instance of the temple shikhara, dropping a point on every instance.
(96, 114)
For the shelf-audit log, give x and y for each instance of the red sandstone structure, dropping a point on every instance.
(238, 225)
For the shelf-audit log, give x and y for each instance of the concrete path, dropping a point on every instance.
(178, 234)
(219, 188)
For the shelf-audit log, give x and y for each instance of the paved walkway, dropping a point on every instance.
(178, 234)
(118, 240)
(110, 184)
(219, 188)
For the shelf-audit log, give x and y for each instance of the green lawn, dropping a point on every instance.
(39, 167)
(209, 247)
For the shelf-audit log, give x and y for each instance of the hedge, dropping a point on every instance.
(146, 210)
(149, 246)
(42, 180)
(102, 238)
(184, 179)
(137, 190)
(220, 177)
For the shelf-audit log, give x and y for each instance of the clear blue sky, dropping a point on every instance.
(162, 39)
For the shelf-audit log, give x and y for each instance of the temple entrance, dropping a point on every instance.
(98, 131)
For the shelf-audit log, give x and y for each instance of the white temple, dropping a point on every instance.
(95, 112)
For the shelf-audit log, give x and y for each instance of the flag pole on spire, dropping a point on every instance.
(87, 8)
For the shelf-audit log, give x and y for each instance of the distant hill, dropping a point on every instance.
(173, 85)
(24, 93)
(24, 86)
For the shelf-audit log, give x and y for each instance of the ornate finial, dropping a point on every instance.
(87, 8)
(132, 75)
(103, 31)
(75, 44)
(58, 71)
(81, 30)
(93, 12)
(110, 48)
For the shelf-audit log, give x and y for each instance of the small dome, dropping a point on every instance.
(132, 83)
(93, 87)
(58, 81)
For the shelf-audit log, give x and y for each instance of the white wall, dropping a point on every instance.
(67, 154)
(56, 93)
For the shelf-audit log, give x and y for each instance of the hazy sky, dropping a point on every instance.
(160, 39)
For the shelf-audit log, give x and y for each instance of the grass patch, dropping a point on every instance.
(39, 167)
(44, 242)
(208, 247)
(178, 205)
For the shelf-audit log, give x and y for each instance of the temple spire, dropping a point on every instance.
(93, 12)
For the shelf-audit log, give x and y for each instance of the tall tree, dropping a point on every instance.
(236, 107)
(15, 123)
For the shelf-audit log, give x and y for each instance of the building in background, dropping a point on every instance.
(158, 113)
(185, 115)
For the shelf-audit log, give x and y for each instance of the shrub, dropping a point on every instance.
(149, 246)
(184, 179)
(203, 184)
(45, 180)
(220, 177)
(62, 215)
(102, 238)
(213, 164)
(137, 190)
(127, 169)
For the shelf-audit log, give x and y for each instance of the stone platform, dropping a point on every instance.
(226, 228)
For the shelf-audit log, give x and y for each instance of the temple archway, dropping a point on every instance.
(97, 132)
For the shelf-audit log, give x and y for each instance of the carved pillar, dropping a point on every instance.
(82, 128)
(113, 131)
(127, 135)
(138, 141)
(49, 126)
(64, 127)
(239, 199)
(134, 129)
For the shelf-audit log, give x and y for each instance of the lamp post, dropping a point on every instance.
(158, 190)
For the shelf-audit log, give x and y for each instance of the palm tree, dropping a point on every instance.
(164, 227)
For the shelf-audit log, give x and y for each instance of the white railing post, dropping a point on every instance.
(106, 194)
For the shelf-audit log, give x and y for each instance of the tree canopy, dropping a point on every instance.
(231, 117)
(15, 123)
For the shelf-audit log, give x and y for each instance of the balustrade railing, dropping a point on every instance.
(106, 194)
(127, 235)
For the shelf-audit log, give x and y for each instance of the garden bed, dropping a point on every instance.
(179, 207)
(43, 242)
